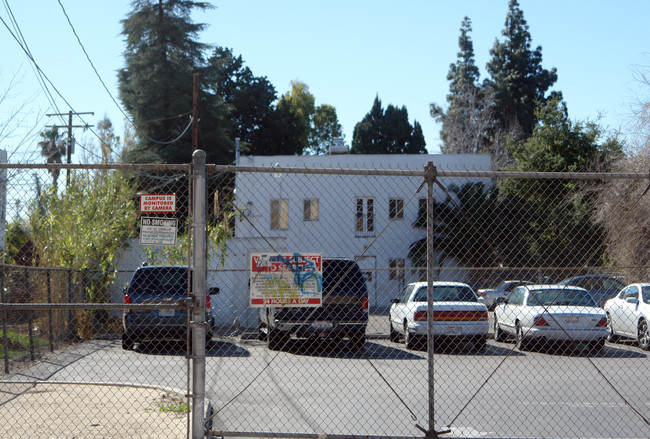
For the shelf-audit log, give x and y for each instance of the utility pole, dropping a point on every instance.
(70, 127)
(195, 113)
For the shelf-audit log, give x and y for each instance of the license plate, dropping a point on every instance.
(453, 330)
(320, 326)
(166, 312)
(574, 320)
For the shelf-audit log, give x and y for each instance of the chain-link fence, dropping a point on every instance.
(346, 296)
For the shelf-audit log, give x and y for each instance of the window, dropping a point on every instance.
(406, 293)
(396, 208)
(632, 293)
(279, 214)
(310, 210)
(396, 269)
(365, 216)
(421, 220)
(516, 297)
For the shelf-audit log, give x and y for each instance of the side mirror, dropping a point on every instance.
(396, 300)
(632, 300)
(213, 290)
(500, 300)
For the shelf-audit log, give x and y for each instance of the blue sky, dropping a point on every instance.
(347, 52)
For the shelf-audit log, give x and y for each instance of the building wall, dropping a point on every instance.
(334, 233)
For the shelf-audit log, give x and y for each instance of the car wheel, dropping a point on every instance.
(611, 336)
(393, 335)
(357, 342)
(276, 339)
(523, 344)
(596, 346)
(499, 335)
(127, 342)
(643, 335)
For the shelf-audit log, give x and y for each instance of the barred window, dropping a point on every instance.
(310, 209)
(279, 214)
(396, 208)
(365, 216)
(396, 269)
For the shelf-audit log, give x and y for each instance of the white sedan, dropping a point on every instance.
(457, 312)
(628, 314)
(533, 313)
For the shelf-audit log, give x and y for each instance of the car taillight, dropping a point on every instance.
(540, 321)
(481, 293)
(207, 302)
(460, 316)
(364, 303)
(127, 301)
(602, 323)
(420, 316)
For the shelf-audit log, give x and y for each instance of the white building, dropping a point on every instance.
(365, 217)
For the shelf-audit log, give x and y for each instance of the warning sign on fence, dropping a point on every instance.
(157, 203)
(286, 279)
(158, 231)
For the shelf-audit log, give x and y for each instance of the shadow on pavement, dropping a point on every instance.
(216, 348)
(331, 349)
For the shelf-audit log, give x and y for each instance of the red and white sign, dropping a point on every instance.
(286, 279)
(158, 203)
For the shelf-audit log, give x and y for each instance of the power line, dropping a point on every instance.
(108, 91)
(41, 76)
(22, 42)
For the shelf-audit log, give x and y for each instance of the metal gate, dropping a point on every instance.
(428, 363)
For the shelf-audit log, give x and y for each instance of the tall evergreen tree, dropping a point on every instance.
(368, 137)
(240, 104)
(161, 55)
(468, 114)
(519, 81)
(387, 132)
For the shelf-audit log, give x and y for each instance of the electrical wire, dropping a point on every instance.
(41, 73)
(23, 44)
(126, 116)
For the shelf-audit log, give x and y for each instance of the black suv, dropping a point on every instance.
(154, 285)
(344, 313)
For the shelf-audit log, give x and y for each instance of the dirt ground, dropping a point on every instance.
(82, 411)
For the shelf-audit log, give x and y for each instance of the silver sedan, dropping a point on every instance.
(533, 313)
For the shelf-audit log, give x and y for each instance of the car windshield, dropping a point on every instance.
(560, 296)
(161, 280)
(447, 293)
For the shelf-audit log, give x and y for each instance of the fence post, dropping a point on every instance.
(71, 315)
(430, 175)
(50, 328)
(5, 336)
(199, 268)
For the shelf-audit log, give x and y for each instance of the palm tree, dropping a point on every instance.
(53, 148)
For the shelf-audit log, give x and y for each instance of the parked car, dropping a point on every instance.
(490, 295)
(536, 313)
(628, 314)
(600, 286)
(160, 285)
(344, 313)
(457, 313)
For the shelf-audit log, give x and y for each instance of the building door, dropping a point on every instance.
(368, 266)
